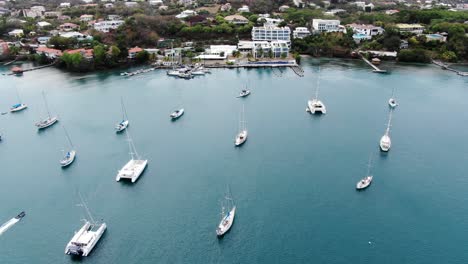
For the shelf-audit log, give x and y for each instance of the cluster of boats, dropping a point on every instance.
(187, 72)
(129, 74)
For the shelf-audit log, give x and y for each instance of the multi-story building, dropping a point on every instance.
(270, 33)
(301, 32)
(325, 25)
(411, 28)
(369, 30)
(107, 25)
(277, 47)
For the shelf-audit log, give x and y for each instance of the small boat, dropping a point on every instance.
(177, 113)
(226, 219)
(134, 167)
(17, 70)
(68, 157)
(20, 215)
(392, 101)
(83, 242)
(18, 107)
(241, 137)
(244, 93)
(124, 123)
(50, 120)
(366, 181)
(185, 75)
(124, 74)
(385, 141)
(198, 72)
(375, 61)
(315, 106)
(173, 73)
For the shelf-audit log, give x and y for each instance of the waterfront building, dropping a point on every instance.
(243, 9)
(410, 28)
(278, 47)
(270, 33)
(369, 30)
(133, 52)
(326, 25)
(301, 32)
(108, 25)
(217, 52)
(86, 18)
(237, 19)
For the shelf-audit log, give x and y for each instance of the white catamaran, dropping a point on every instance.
(135, 167)
(84, 240)
(124, 123)
(315, 105)
(366, 181)
(50, 120)
(385, 141)
(227, 219)
(241, 137)
(19, 106)
(70, 155)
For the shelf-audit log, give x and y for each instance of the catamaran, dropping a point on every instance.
(134, 167)
(385, 141)
(68, 157)
(83, 242)
(366, 181)
(226, 219)
(177, 113)
(19, 106)
(315, 105)
(392, 101)
(50, 120)
(124, 123)
(242, 135)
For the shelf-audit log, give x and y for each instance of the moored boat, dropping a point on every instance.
(18, 107)
(227, 219)
(241, 137)
(315, 106)
(177, 113)
(20, 215)
(124, 123)
(135, 166)
(50, 120)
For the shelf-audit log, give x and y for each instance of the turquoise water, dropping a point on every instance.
(293, 180)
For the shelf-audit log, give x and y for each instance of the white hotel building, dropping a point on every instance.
(270, 33)
(107, 25)
(325, 25)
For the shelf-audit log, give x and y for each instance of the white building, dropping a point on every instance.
(131, 4)
(324, 25)
(243, 9)
(16, 33)
(270, 33)
(301, 32)
(77, 35)
(86, 18)
(217, 52)
(186, 13)
(270, 21)
(43, 24)
(185, 2)
(155, 2)
(277, 47)
(108, 25)
(411, 28)
(369, 30)
(237, 19)
(65, 5)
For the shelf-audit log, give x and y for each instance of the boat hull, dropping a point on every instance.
(226, 223)
(364, 183)
(121, 126)
(175, 115)
(46, 123)
(385, 143)
(67, 161)
(132, 170)
(85, 250)
(19, 108)
(241, 138)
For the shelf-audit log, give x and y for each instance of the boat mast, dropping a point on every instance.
(87, 209)
(369, 165)
(133, 152)
(68, 136)
(124, 111)
(318, 83)
(17, 95)
(46, 105)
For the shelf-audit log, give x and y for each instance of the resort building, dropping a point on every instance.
(325, 25)
(277, 47)
(237, 19)
(301, 32)
(133, 52)
(411, 28)
(108, 25)
(217, 52)
(270, 33)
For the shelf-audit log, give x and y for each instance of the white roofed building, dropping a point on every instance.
(326, 25)
(108, 25)
(301, 32)
(270, 33)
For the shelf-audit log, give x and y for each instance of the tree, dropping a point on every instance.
(414, 55)
(449, 56)
(99, 55)
(142, 56)
(392, 43)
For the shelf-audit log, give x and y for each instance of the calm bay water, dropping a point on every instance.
(293, 181)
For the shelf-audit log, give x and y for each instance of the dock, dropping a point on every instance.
(446, 67)
(33, 69)
(376, 69)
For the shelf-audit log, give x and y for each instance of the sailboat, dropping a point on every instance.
(242, 135)
(392, 101)
(50, 120)
(135, 166)
(124, 123)
(19, 106)
(227, 219)
(177, 113)
(68, 157)
(366, 181)
(244, 92)
(385, 141)
(315, 105)
(84, 240)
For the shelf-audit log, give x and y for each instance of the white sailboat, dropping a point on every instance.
(50, 120)
(385, 141)
(124, 123)
(366, 181)
(177, 113)
(241, 137)
(315, 105)
(135, 166)
(70, 155)
(244, 93)
(227, 219)
(19, 106)
(392, 101)
(85, 239)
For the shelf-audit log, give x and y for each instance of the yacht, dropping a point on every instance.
(20, 215)
(177, 113)
(124, 123)
(315, 106)
(50, 120)
(241, 137)
(244, 93)
(68, 157)
(134, 167)
(18, 107)
(385, 141)
(85, 239)
(366, 181)
(226, 219)
(198, 72)
(392, 101)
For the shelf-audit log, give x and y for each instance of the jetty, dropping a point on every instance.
(376, 69)
(447, 67)
(16, 72)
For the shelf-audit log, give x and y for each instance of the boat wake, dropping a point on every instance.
(7, 225)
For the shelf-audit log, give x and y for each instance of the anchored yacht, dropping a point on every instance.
(315, 106)
(18, 107)
(50, 120)
(241, 137)
(366, 181)
(392, 101)
(124, 123)
(226, 219)
(177, 113)
(385, 141)
(134, 167)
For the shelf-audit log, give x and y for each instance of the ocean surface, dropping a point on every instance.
(293, 180)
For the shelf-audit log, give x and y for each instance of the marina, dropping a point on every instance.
(278, 176)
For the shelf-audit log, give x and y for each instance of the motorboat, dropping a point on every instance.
(68, 158)
(135, 166)
(20, 215)
(177, 113)
(364, 182)
(241, 138)
(316, 106)
(121, 126)
(244, 93)
(46, 122)
(18, 107)
(392, 102)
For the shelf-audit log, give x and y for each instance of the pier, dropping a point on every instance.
(446, 67)
(376, 69)
(33, 69)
